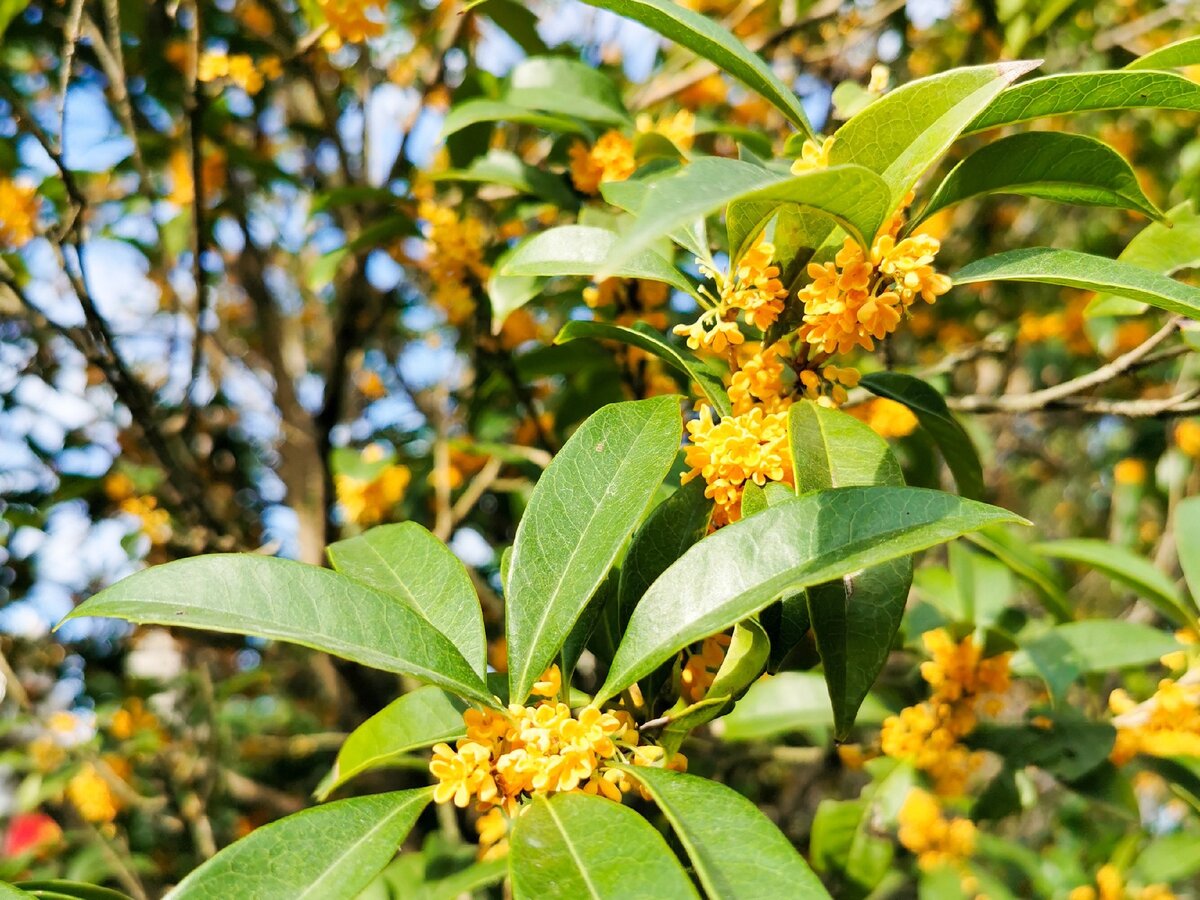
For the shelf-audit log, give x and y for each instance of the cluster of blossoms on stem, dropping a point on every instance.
(510, 756)
(1111, 886)
(612, 157)
(19, 207)
(701, 668)
(933, 838)
(366, 501)
(353, 21)
(929, 735)
(1168, 724)
(242, 69)
(456, 256)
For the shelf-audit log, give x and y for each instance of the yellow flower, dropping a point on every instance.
(92, 795)
(926, 832)
(701, 668)
(462, 773)
(679, 129)
(354, 21)
(1187, 437)
(492, 828)
(887, 418)
(1129, 472)
(609, 159)
(736, 449)
(813, 156)
(1168, 724)
(132, 718)
(239, 68)
(19, 207)
(759, 382)
(368, 502)
(155, 523)
(550, 684)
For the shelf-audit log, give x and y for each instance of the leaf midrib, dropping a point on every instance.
(574, 854)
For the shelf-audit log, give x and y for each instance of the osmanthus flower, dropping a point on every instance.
(885, 417)
(510, 756)
(1110, 885)
(353, 21)
(679, 129)
(19, 208)
(929, 734)
(367, 501)
(240, 68)
(814, 155)
(926, 832)
(701, 668)
(609, 159)
(455, 258)
(91, 794)
(1167, 724)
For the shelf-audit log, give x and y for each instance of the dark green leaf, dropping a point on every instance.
(582, 511)
(736, 572)
(290, 601)
(1163, 247)
(1068, 168)
(505, 168)
(1065, 652)
(406, 561)
(737, 852)
(326, 853)
(1023, 560)
(935, 417)
(1068, 747)
(785, 703)
(643, 336)
(575, 846)
(703, 36)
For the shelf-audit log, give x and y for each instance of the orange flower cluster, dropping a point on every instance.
(1168, 724)
(930, 734)
(533, 751)
(630, 300)
(19, 206)
(609, 159)
(456, 255)
(701, 668)
(887, 418)
(1111, 886)
(679, 129)
(354, 21)
(936, 840)
(860, 298)
(239, 68)
(753, 289)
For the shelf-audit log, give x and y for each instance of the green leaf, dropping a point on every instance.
(294, 602)
(1163, 247)
(935, 417)
(505, 168)
(738, 853)
(574, 846)
(567, 87)
(407, 562)
(1187, 540)
(736, 572)
(648, 339)
(851, 196)
(1075, 92)
(629, 194)
(842, 839)
(508, 293)
(1068, 747)
(901, 135)
(703, 36)
(325, 853)
(1125, 567)
(1068, 168)
(671, 528)
(785, 703)
(60, 889)
(1169, 858)
(855, 618)
(581, 250)
(1024, 561)
(9, 10)
(1175, 55)
(415, 720)
(472, 112)
(582, 511)
(1070, 268)
(1067, 651)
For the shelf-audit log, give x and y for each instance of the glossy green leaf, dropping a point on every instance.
(406, 561)
(1176, 55)
(567, 87)
(60, 889)
(290, 601)
(737, 852)
(903, 134)
(1163, 247)
(785, 703)
(1068, 168)
(506, 168)
(643, 336)
(412, 721)
(850, 196)
(1070, 268)
(325, 853)
(1068, 651)
(1169, 858)
(629, 195)
(1127, 568)
(1025, 562)
(581, 250)
(582, 511)
(736, 572)
(935, 417)
(472, 112)
(7, 890)
(671, 528)
(507, 293)
(575, 846)
(855, 618)
(1076, 92)
(1187, 541)
(705, 37)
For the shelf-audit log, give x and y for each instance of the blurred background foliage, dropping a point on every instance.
(245, 304)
